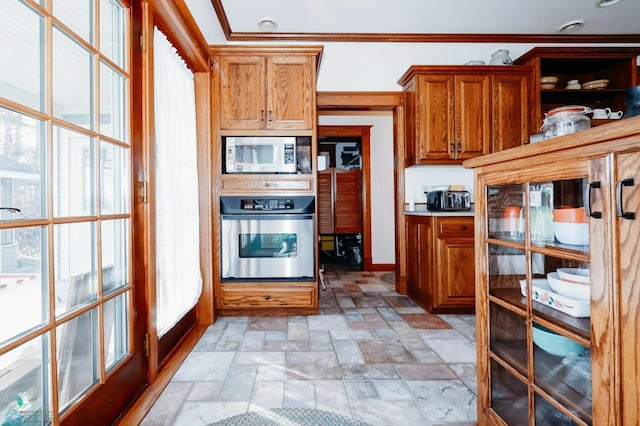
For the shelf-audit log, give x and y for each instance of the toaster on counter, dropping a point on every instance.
(448, 201)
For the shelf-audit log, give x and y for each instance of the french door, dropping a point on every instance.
(70, 349)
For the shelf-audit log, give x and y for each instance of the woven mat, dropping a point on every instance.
(289, 417)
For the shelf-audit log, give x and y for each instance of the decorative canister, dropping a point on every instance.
(632, 101)
(500, 57)
(564, 120)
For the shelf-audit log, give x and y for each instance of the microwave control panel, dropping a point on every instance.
(289, 151)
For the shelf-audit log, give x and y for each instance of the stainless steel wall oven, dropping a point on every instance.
(267, 238)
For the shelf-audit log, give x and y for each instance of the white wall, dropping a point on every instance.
(382, 185)
(417, 178)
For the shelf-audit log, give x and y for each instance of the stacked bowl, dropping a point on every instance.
(571, 226)
(570, 282)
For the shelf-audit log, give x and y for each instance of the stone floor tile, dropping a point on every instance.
(298, 330)
(234, 332)
(440, 334)
(205, 391)
(268, 394)
(320, 340)
(361, 390)
(253, 341)
(389, 314)
(385, 334)
(268, 323)
(351, 334)
(287, 345)
(239, 383)
(376, 352)
(299, 394)
(391, 389)
(165, 410)
(346, 302)
(208, 341)
(444, 401)
(369, 372)
(203, 413)
(425, 320)
(369, 325)
(275, 335)
(348, 352)
(227, 346)
(204, 366)
(388, 412)
(370, 302)
(312, 366)
(373, 288)
(425, 372)
(400, 302)
(453, 350)
(260, 358)
(327, 322)
(331, 396)
(468, 374)
(270, 372)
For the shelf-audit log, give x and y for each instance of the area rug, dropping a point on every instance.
(289, 417)
(389, 278)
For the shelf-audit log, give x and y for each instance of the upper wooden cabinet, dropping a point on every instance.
(457, 113)
(615, 64)
(267, 88)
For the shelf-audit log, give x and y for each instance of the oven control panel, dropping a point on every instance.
(266, 204)
(271, 205)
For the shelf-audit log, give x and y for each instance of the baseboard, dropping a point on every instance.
(380, 267)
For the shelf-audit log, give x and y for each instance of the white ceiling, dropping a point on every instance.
(298, 19)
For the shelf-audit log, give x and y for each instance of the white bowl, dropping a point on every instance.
(574, 291)
(575, 275)
(576, 234)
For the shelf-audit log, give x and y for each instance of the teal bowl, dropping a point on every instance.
(554, 343)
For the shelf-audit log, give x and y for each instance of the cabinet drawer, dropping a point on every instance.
(274, 297)
(455, 227)
(297, 183)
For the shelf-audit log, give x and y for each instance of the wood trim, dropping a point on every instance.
(399, 144)
(416, 38)
(381, 267)
(176, 22)
(143, 404)
(367, 101)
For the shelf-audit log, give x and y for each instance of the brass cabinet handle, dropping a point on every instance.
(460, 147)
(270, 116)
(452, 152)
(619, 209)
(261, 115)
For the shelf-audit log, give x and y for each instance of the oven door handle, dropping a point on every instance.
(267, 216)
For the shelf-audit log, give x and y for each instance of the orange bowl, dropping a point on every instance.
(570, 215)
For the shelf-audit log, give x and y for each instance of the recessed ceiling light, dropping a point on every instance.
(607, 3)
(267, 25)
(571, 26)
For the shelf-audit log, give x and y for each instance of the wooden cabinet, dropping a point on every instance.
(265, 184)
(545, 356)
(339, 201)
(440, 263)
(454, 260)
(456, 113)
(615, 64)
(267, 89)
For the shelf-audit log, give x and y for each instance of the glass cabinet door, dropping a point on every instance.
(538, 286)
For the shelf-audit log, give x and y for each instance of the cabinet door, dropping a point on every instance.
(628, 199)
(348, 202)
(454, 284)
(472, 116)
(325, 202)
(290, 92)
(434, 119)
(418, 260)
(242, 92)
(510, 114)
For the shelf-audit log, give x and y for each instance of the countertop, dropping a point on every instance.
(421, 210)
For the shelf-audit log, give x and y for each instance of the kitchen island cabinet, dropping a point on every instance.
(440, 262)
(522, 379)
(460, 112)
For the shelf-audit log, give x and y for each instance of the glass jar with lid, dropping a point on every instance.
(565, 120)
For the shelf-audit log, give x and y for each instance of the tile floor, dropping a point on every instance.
(371, 354)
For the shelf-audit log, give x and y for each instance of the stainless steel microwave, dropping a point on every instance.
(260, 154)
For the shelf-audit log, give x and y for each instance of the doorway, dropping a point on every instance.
(343, 210)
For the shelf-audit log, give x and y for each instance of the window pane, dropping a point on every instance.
(112, 103)
(21, 165)
(72, 81)
(25, 389)
(116, 184)
(77, 15)
(115, 254)
(74, 257)
(112, 31)
(77, 357)
(116, 329)
(23, 281)
(73, 173)
(21, 61)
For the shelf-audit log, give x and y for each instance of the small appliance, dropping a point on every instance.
(260, 154)
(448, 200)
